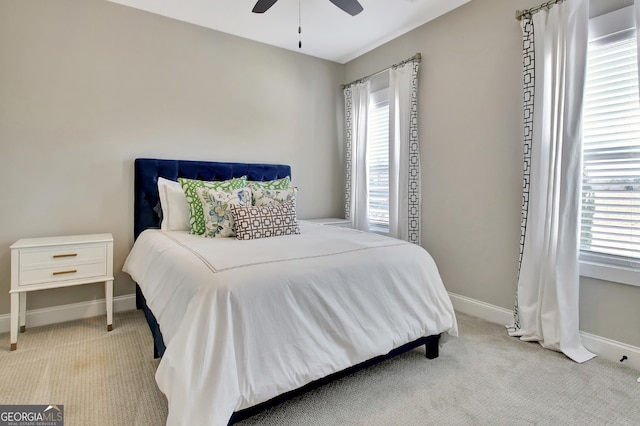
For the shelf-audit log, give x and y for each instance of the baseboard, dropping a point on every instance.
(611, 349)
(606, 348)
(477, 308)
(70, 312)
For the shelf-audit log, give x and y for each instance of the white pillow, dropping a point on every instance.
(175, 209)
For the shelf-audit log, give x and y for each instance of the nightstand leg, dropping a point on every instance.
(15, 306)
(108, 290)
(23, 311)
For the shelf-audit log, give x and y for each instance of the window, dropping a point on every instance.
(378, 160)
(610, 218)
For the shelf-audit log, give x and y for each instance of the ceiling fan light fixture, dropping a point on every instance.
(352, 7)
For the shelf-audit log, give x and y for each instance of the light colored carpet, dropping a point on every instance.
(101, 378)
(483, 377)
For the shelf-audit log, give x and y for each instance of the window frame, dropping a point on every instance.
(594, 265)
(377, 99)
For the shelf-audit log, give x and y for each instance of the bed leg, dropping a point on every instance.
(432, 348)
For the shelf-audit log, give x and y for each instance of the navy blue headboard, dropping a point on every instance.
(147, 171)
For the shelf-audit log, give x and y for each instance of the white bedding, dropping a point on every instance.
(244, 321)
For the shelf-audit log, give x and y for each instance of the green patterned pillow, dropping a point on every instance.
(283, 183)
(196, 214)
(217, 211)
(262, 197)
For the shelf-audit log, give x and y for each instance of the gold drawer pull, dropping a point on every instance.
(58, 256)
(72, 271)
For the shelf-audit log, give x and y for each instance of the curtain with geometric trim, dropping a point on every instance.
(404, 153)
(356, 98)
(554, 60)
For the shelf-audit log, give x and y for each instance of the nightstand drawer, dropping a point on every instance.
(38, 275)
(66, 255)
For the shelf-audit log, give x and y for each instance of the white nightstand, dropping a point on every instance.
(344, 223)
(44, 263)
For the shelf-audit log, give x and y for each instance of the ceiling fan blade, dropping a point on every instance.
(263, 5)
(352, 7)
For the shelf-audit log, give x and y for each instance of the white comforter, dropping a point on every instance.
(244, 321)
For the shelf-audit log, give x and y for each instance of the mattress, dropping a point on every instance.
(245, 321)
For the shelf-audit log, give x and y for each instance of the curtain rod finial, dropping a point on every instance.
(519, 14)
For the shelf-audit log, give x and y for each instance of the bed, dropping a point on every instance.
(242, 325)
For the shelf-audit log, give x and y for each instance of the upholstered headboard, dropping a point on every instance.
(147, 171)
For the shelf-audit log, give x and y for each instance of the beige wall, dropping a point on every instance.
(86, 86)
(470, 103)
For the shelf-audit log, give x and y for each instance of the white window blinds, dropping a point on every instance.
(610, 231)
(378, 160)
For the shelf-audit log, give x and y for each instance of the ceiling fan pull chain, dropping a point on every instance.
(299, 24)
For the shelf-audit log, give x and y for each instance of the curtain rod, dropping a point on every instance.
(416, 57)
(529, 12)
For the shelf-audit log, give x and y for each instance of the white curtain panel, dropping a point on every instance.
(404, 155)
(357, 181)
(555, 44)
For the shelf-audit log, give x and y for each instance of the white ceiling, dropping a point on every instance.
(327, 32)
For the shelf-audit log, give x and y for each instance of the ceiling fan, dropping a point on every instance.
(352, 7)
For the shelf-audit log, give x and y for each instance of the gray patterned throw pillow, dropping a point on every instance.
(270, 220)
